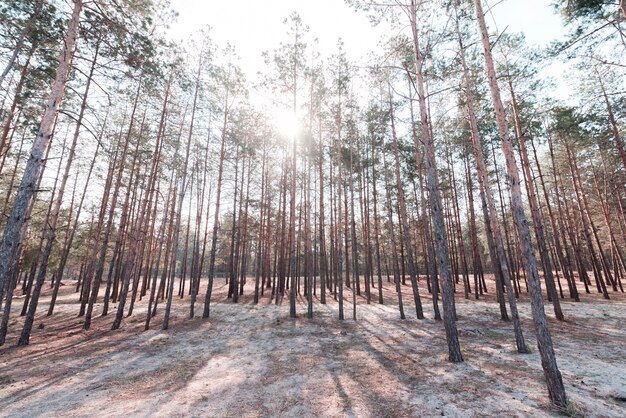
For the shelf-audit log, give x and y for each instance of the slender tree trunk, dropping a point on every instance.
(556, 390)
(392, 238)
(403, 217)
(20, 214)
(443, 260)
(52, 221)
(492, 226)
(563, 260)
(220, 171)
(535, 211)
(109, 225)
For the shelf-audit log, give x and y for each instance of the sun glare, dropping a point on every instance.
(287, 124)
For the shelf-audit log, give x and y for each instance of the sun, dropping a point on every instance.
(287, 124)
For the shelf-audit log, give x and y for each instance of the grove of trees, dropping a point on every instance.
(140, 170)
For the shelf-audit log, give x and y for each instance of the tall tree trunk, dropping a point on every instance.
(99, 270)
(494, 235)
(614, 129)
(376, 226)
(70, 239)
(556, 390)
(20, 213)
(406, 236)
(392, 238)
(181, 198)
(563, 259)
(207, 298)
(443, 259)
(52, 221)
(535, 210)
(324, 276)
(126, 230)
(4, 139)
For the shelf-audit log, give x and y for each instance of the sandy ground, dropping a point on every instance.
(253, 360)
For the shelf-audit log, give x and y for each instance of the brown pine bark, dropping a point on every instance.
(599, 260)
(561, 255)
(67, 246)
(52, 220)
(406, 237)
(535, 210)
(14, 230)
(14, 172)
(556, 390)
(126, 231)
(457, 225)
(477, 268)
(429, 251)
(338, 225)
(376, 225)
(4, 139)
(324, 267)
(492, 226)
(261, 231)
(443, 261)
(14, 268)
(220, 171)
(392, 239)
(99, 269)
(181, 198)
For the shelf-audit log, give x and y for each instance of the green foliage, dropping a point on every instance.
(590, 9)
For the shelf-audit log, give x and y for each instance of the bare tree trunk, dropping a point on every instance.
(338, 224)
(51, 224)
(126, 230)
(459, 231)
(443, 260)
(263, 213)
(588, 224)
(9, 189)
(376, 226)
(181, 198)
(324, 276)
(354, 244)
(556, 390)
(563, 260)
(220, 171)
(614, 130)
(20, 214)
(492, 226)
(14, 269)
(70, 239)
(535, 211)
(4, 139)
(429, 253)
(164, 230)
(109, 225)
(197, 271)
(392, 237)
(403, 217)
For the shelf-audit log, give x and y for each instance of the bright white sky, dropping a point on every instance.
(253, 26)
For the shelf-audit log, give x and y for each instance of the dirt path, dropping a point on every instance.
(249, 361)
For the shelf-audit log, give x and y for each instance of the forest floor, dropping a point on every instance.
(253, 360)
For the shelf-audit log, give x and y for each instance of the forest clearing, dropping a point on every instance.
(254, 361)
(360, 208)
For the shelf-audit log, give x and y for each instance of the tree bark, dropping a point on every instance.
(20, 213)
(443, 261)
(556, 390)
